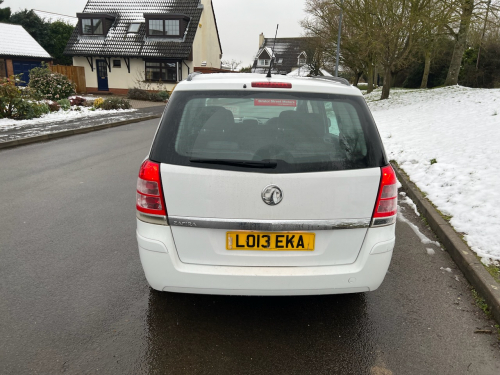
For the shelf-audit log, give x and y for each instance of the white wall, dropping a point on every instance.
(206, 44)
(120, 78)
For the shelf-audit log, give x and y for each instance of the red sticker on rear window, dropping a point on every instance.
(275, 103)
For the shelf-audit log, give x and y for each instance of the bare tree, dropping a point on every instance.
(470, 13)
(232, 65)
(467, 8)
(358, 43)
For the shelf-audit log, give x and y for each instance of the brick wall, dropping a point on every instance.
(10, 68)
(3, 68)
(95, 91)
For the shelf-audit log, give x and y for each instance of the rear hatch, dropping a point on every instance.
(238, 166)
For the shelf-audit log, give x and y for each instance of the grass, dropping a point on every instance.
(494, 271)
(481, 303)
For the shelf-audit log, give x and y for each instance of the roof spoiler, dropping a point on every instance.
(334, 79)
(192, 75)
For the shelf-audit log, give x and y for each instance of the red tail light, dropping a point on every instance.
(272, 85)
(149, 193)
(387, 200)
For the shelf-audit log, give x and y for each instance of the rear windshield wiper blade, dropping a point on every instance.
(237, 163)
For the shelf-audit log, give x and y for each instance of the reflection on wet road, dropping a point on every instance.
(73, 297)
(254, 335)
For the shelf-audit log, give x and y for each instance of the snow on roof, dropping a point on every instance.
(119, 42)
(16, 41)
(53, 17)
(304, 71)
(268, 50)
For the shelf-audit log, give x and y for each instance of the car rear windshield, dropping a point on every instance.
(268, 132)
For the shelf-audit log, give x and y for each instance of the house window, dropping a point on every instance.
(92, 26)
(134, 28)
(264, 62)
(302, 59)
(161, 71)
(172, 27)
(117, 63)
(164, 28)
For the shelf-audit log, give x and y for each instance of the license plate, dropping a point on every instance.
(257, 241)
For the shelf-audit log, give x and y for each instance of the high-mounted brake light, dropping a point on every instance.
(387, 200)
(150, 203)
(272, 85)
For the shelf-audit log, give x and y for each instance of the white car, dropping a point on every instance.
(266, 186)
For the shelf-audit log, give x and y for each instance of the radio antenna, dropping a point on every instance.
(272, 57)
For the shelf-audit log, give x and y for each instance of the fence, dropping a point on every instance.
(75, 74)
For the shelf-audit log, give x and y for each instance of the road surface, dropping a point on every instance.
(73, 297)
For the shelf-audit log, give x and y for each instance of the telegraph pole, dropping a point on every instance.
(339, 39)
(484, 32)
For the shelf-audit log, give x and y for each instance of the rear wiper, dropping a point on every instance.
(237, 163)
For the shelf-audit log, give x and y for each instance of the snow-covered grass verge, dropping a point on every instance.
(448, 141)
(59, 116)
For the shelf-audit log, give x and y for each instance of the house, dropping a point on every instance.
(148, 43)
(19, 52)
(290, 54)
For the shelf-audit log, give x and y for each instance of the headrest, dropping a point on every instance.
(302, 122)
(221, 119)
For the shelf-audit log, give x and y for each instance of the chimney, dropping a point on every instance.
(261, 40)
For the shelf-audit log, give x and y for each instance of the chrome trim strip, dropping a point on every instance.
(152, 219)
(268, 225)
(384, 221)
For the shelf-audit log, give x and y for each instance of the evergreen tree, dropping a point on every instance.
(4, 13)
(60, 32)
(34, 25)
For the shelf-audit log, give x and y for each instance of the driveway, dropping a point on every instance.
(73, 297)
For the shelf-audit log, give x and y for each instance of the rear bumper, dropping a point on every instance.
(165, 272)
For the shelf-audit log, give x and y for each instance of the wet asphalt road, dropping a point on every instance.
(73, 297)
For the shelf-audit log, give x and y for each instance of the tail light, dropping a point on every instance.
(272, 85)
(150, 203)
(386, 207)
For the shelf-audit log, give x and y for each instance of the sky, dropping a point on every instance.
(240, 21)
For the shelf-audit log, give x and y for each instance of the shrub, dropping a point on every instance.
(77, 100)
(65, 104)
(98, 102)
(115, 103)
(138, 94)
(10, 95)
(54, 107)
(164, 94)
(27, 110)
(41, 109)
(160, 96)
(24, 110)
(49, 85)
(88, 103)
(154, 97)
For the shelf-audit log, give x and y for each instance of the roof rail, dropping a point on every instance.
(334, 79)
(192, 75)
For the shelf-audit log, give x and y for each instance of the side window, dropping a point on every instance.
(349, 126)
(330, 113)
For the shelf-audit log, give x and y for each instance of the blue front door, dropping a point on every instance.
(102, 75)
(24, 67)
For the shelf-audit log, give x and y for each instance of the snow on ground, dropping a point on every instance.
(448, 142)
(58, 117)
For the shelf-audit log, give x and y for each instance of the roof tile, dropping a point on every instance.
(120, 43)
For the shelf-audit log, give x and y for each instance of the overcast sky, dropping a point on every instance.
(240, 21)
